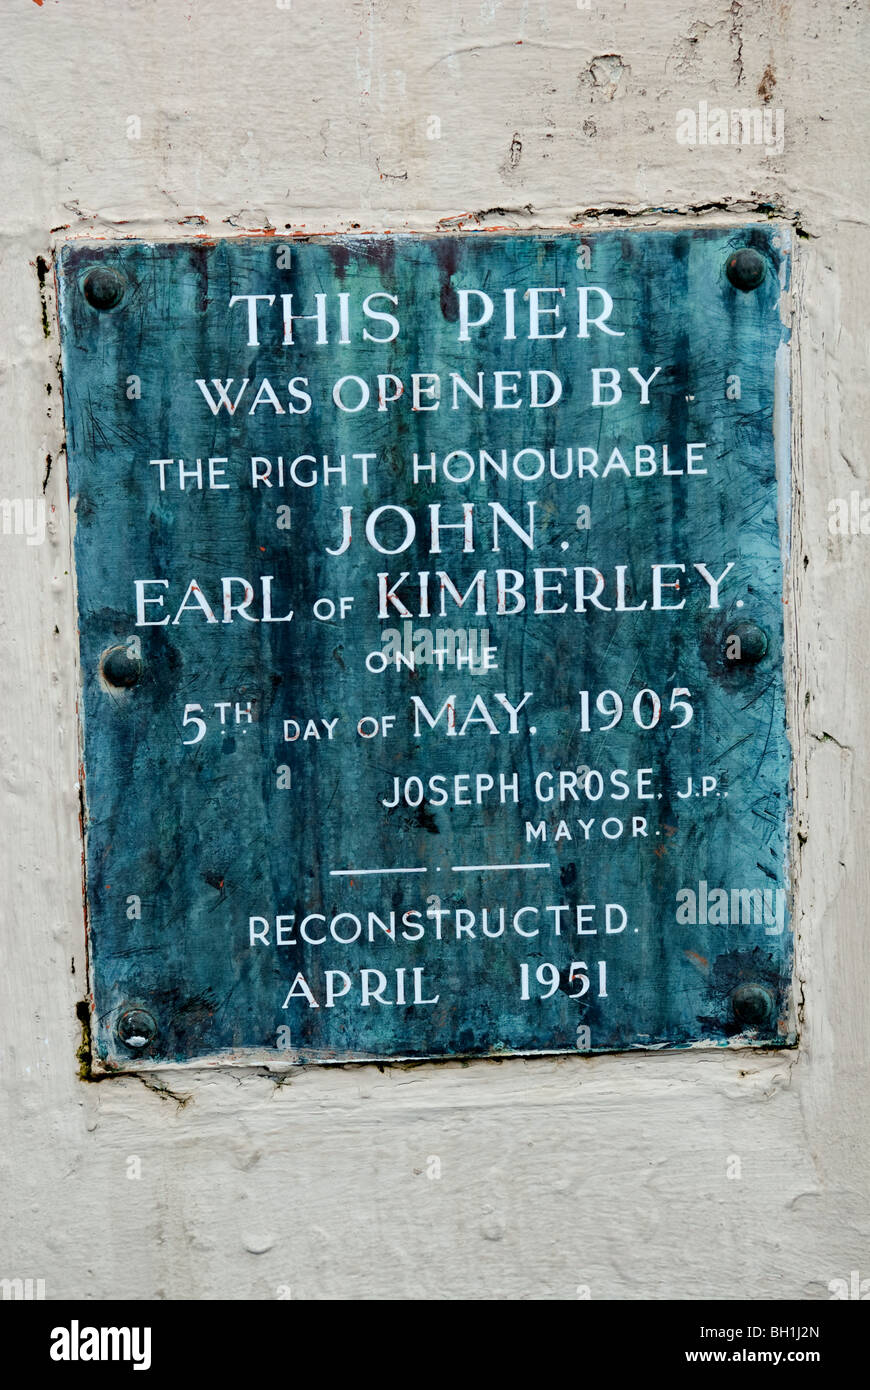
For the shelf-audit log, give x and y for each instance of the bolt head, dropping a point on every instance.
(746, 269)
(104, 287)
(119, 668)
(752, 643)
(752, 1005)
(136, 1029)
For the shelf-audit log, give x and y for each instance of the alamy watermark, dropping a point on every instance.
(466, 648)
(849, 516)
(737, 907)
(77, 1343)
(22, 1290)
(750, 125)
(854, 1287)
(23, 516)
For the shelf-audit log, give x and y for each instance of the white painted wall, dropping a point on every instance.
(603, 1172)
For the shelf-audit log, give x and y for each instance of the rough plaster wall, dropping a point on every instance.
(599, 1172)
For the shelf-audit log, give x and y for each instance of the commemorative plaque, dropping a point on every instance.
(430, 595)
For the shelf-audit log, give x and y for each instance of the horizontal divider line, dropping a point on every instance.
(473, 868)
(341, 873)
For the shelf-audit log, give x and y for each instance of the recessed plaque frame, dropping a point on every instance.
(430, 597)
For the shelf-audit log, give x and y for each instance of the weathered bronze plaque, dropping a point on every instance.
(430, 594)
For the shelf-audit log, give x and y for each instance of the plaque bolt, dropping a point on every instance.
(746, 269)
(751, 643)
(119, 668)
(752, 1005)
(104, 287)
(136, 1029)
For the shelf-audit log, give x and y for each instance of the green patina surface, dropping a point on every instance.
(187, 842)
